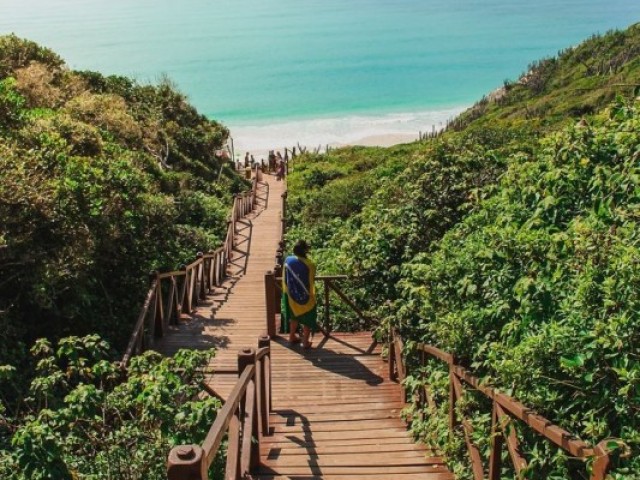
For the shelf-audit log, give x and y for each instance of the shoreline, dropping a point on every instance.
(382, 130)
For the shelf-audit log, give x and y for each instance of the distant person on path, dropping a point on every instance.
(279, 169)
(299, 295)
(272, 161)
(246, 160)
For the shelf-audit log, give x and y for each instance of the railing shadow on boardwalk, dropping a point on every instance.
(344, 364)
(262, 195)
(307, 442)
(196, 329)
(242, 247)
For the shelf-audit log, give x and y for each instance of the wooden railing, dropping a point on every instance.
(172, 294)
(505, 410)
(243, 420)
(273, 292)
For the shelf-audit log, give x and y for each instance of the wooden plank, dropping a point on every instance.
(363, 459)
(366, 442)
(371, 476)
(398, 432)
(391, 469)
(328, 449)
(337, 426)
(367, 414)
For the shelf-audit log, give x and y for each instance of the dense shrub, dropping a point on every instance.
(83, 417)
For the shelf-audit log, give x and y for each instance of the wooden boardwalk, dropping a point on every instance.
(335, 414)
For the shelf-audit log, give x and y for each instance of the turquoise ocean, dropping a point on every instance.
(316, 71)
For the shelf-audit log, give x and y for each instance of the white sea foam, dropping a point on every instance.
(382, 130)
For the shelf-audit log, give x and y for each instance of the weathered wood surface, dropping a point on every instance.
(335, 414)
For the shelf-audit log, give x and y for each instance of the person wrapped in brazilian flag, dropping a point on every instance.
(299, 295)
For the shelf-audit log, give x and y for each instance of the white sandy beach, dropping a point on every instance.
(367, 130)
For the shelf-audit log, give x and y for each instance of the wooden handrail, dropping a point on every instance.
(244, 418)
(273, 291)
(173, 293)
(505, 410)
(136, 341)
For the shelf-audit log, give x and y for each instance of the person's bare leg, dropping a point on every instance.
(293, 328)
(306, 331)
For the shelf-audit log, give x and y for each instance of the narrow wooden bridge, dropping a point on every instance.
(333, 411)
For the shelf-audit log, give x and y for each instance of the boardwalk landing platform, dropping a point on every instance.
(336, 415)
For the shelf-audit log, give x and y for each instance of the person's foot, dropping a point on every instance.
(294, 339)
(307, 345)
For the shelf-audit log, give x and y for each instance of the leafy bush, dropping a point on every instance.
(84, 417)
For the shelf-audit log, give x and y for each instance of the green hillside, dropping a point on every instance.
(102, 181)
(511, 240)
(580, 80)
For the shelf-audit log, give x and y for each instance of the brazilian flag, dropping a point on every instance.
(298, 292)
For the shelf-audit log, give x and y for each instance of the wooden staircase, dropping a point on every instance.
(335, 414)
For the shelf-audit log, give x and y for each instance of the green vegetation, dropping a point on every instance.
(511, 241)
(103, 181)
(84, 417)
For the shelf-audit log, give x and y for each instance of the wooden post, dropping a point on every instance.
(185, 291)
(176, 300)
(497, 439)
(452, 401)
(398, 346)
(277, 272)
(157, 322)
(186, 462)
(422, 400)
(246, 358)
(327, 299)
(270, 296)
(265, 384)
(283, 213)
(201, 294)
(211, 271)
(392, 356)
(221, 267)
(228, 247)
